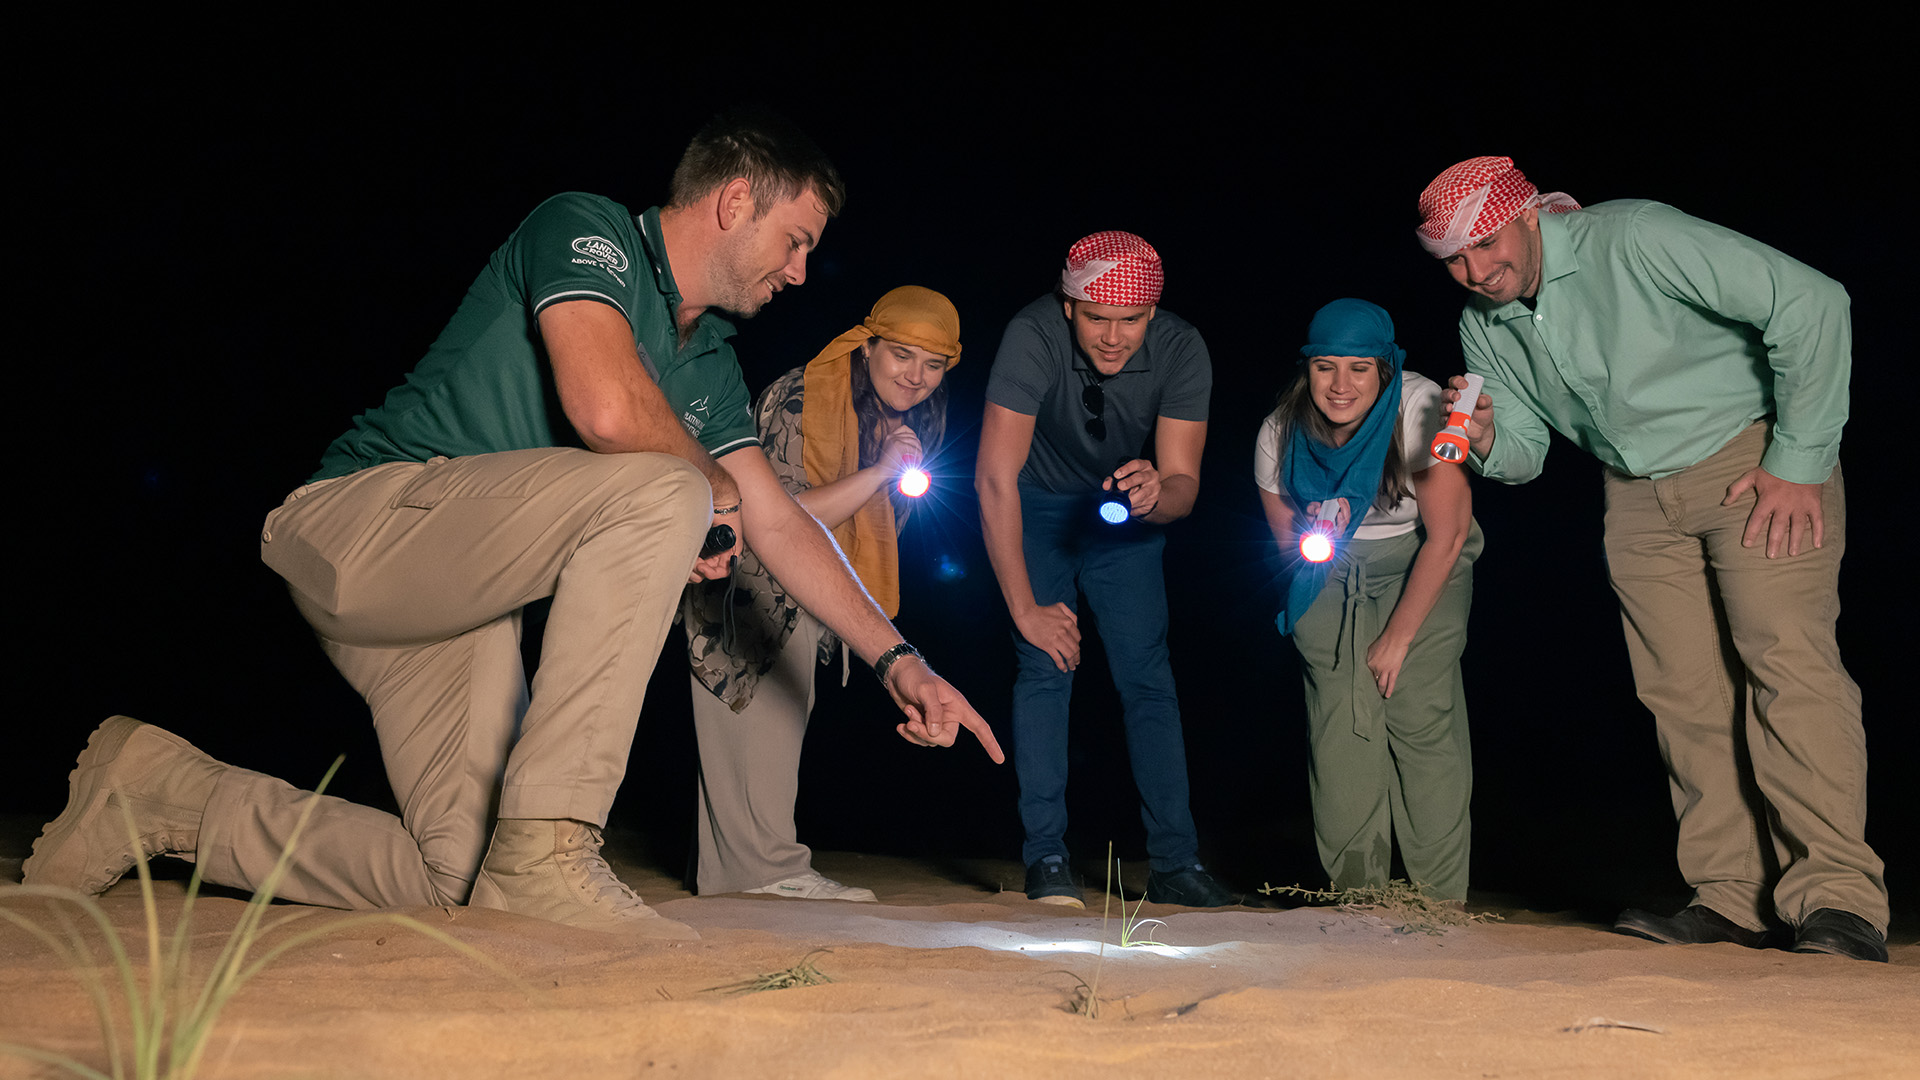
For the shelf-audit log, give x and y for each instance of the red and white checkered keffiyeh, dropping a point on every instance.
(1476, 199)
(1115, 268)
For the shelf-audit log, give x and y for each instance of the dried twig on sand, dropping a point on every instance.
(803, 973)
(1404, 905)
(1592, 1022)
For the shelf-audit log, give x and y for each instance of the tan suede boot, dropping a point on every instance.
(156, 774)
(553, 870)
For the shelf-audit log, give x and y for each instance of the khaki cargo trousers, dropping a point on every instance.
(413, 576)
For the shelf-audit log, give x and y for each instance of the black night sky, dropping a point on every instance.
(230, 249)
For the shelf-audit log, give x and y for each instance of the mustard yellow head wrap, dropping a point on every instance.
(830, 430)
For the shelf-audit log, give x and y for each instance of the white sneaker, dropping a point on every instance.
(554, 870)
(813, 885)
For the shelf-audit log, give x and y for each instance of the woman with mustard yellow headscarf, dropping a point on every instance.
(838, 432)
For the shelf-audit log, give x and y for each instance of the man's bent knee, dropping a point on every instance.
(662, 490)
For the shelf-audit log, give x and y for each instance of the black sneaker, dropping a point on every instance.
(1189, 887)
(1050, 882)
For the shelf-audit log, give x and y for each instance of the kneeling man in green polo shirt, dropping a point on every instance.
(576, 432)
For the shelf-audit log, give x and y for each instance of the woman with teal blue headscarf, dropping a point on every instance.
(1380, 626)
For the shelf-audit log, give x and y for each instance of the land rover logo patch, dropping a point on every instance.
(600, 250)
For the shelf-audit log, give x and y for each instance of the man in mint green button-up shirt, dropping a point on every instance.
(1654, 338)
(1709, 373)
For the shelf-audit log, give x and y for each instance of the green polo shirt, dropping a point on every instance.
(486, 386)
(1654, 339)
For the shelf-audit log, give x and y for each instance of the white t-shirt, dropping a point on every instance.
(1422, 414)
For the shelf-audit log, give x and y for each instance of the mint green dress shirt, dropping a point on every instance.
(1655, 338)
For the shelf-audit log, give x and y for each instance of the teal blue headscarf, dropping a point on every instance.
(1312, 471)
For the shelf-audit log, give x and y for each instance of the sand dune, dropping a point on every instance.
(949, 977)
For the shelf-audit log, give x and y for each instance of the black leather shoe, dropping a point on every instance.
(1695, 925)
(1842, 933)
(1188, 887)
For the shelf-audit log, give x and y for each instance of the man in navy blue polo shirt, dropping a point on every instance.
(1084, 382)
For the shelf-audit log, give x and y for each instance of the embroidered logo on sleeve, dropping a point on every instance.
(602, 252)
(695, 424)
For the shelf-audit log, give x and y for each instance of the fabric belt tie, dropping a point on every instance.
(1360, 621)
(1356, 635)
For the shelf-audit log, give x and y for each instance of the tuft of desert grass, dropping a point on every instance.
(804, 973)
(171, 1017)
(1131, 924)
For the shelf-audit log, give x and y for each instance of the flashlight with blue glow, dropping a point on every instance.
(914, 480)
(1450, 445)
(1316, 544)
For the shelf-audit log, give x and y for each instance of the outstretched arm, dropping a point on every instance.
(1005, 439)
(1520, 450)
(804, 557)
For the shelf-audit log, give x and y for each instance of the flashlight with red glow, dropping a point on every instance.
(914, 480)
(1451, 444)
(1316, 544)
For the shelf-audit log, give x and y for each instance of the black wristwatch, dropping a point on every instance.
(887, 658)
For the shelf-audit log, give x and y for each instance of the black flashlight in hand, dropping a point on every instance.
(719, 539)
(1115, 506)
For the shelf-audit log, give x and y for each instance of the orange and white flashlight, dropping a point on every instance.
(1451, 444)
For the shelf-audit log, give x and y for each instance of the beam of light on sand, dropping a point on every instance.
(1182, 952)
(960, 935)
(828, 923)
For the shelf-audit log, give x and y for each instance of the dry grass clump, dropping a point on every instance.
(803, 973)
(1404, 905)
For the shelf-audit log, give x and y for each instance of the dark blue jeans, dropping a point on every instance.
(1070, 550)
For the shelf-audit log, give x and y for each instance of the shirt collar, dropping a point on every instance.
(1557, 260)
(708, 323)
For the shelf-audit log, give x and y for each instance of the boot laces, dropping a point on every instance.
(598, 878)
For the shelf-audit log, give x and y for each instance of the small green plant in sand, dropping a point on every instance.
(1405, 905)
(1131, 924)
(171, 1017)
(1086, 997)
(803, 973)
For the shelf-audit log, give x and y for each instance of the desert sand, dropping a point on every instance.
(955, 973)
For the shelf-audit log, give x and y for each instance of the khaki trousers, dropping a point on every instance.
(1758, 722)
(413, 576)
(750, 772)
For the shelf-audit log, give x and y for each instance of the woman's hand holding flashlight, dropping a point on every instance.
(900, 458)
(1329, 520)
